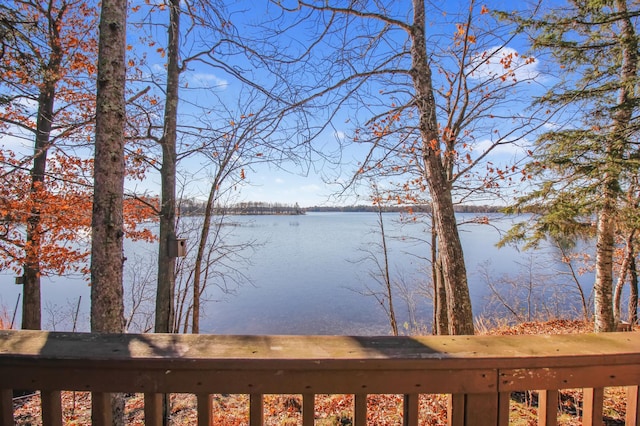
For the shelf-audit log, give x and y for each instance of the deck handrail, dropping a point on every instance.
(478, 372)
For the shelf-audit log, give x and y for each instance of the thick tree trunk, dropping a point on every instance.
(107, 307)
(449, 245)
(166, 262)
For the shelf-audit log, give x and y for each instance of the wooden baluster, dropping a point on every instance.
(360, 410)
(410, 408)
(256, 409)
(153, 410)
(204, 409)
(548, 407)
(633, 402)
(455, 409)
(6, 407)
(101, 409)
(484, 409)
(308, 409)
(51, 407)
(592, 402)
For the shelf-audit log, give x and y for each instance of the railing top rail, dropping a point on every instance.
(160, 363)
(330, 351)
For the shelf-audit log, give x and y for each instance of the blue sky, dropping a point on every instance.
(306, 183)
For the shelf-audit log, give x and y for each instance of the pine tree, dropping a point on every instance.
(584, 165)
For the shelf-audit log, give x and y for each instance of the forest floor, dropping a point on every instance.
(330, 410)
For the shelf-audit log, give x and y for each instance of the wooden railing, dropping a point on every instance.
(478, 372)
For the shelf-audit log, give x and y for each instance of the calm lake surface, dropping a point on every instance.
(305, 277)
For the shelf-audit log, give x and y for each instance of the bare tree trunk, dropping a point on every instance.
(449, 245)
(31, 301)
(387, 277)
(197, 269)
(633, 291)
(167, 263)
(107, 307)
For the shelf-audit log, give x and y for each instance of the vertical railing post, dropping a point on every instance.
(455, 409)
(548, 407)
(204, 409)
(410, 409)
(633, 402)
(592, 401)
(153, 409)
(51, 407)
(101, 414)
(360, 410)
(6, 406)
(308, 409)
(256, 409)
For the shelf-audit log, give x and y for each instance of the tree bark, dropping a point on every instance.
(107, 307)
(31, 301)
(167, 264)
(449, 245)
(633, 292)
(622, 276)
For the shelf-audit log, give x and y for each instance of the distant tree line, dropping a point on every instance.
(423, 208)
(191, 207)
(194, 207)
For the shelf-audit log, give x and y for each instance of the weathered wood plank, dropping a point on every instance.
(256, 409)
(153, 409)
(633, 403)
(205, 407)
(51, 408)
(197, 379)
(6, 406)
(592, 402)
(335, 352)
(410, 409)
(600, 374)
(360, 410)
(548, 407)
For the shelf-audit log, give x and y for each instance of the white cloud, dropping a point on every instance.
(279, 181)
(209, 81)
(340, 135)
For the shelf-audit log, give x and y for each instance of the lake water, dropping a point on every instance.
(305, 277)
